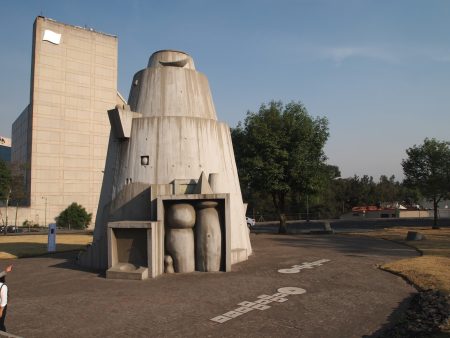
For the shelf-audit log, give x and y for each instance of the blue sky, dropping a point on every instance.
(378, 70)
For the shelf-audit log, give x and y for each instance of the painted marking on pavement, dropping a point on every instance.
(306, 265)
(259, 304)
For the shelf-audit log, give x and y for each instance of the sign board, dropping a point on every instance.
(51, 246)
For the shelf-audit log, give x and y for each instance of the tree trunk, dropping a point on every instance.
(435, 207)
(6, 212)
(6, 219)
(278, 202)
(15, 220)
(282, 229)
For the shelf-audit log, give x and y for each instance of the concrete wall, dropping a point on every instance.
(181, 148)
(173, 122)
(20, 138)
(73, 84)
(180, 133)
(388, 214)
(415, 214)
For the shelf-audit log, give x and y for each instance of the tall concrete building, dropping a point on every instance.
(61, 137)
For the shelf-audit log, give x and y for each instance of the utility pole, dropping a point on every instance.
(307, 208)
(6, 217)
(45, 211)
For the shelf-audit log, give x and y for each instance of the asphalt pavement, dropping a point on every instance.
(292, 286)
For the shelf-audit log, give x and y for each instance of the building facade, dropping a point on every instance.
(5, 149)
(60, 139)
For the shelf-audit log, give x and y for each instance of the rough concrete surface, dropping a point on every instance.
(345, 297)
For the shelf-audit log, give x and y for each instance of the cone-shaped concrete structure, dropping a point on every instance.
(160, 144)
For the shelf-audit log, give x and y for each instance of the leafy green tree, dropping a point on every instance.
(5, 188)
(279, 149)
(5, 180)
(328, 202)
(346, 193)
(427, 168)
(356, 191)
(387, 189)
(74, 217)
(12, 186)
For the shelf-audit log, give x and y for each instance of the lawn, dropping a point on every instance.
(30, 245)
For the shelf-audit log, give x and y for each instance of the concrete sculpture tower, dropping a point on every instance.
(163, 144)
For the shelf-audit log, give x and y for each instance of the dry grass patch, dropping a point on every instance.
(427, 272)
(430, 271)
(31, 245)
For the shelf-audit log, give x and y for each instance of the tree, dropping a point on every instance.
(74, 216)
(12, 186)
(326, 202)
(387, 189)
(427, 168)
(5, 187)
(279, 149)
(5, 179)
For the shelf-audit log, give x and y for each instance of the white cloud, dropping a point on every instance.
(340, 54)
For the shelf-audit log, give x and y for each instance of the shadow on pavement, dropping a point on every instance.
(31, 249)
(353, 245)
(394, 318)
(71, 264)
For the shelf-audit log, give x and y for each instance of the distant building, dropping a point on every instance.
(372, 211)
(443, 208)
(5, 149)
(61, 137)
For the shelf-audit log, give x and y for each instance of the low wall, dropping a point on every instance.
(371, 223)
(415, 214)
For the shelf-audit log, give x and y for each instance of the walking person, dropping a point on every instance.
(3, 297)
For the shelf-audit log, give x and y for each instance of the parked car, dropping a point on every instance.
(13, 229)
(9, 229)
(250, 222)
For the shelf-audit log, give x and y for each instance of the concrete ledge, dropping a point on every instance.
(119, 260)
(122, 271)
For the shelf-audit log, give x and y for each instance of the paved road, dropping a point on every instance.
(343, 226)
(345, 297)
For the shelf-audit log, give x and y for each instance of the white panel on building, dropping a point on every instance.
(52, 37)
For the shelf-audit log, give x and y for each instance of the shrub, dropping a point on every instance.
(74, 217)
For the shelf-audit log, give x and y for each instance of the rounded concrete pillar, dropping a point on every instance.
(180, 236)
(208, 237)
